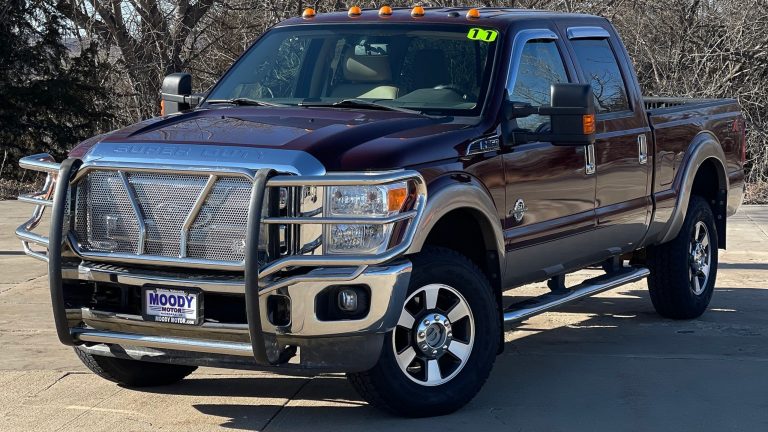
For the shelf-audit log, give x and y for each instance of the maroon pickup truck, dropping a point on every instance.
(359, 189)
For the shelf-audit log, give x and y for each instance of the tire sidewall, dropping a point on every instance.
(443, 268)
(701, 212)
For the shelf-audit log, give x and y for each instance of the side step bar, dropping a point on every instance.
(528, 308)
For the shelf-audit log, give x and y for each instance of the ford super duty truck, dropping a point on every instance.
(358, 190)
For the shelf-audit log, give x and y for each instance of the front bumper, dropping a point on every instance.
(322, 345)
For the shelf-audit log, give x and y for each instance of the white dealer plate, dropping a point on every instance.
(175, 306)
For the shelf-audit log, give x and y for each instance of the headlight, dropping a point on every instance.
(377, 201)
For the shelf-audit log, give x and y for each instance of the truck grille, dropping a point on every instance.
(111, 206)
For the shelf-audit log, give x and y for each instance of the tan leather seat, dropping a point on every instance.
(367, 77)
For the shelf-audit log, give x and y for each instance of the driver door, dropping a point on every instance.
(550, 191)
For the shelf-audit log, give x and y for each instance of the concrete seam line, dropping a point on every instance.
(287, 401)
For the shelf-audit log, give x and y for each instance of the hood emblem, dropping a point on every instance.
(519, 210)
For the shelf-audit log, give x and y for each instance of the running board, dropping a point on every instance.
(528, 308)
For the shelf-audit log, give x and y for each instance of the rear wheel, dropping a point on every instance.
(134, 373)
(684, 270)
(445, 342)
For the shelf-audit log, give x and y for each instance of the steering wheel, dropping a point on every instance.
(452, 88)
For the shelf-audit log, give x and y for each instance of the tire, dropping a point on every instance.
(134, 373)
(684, 270)
(461, 341)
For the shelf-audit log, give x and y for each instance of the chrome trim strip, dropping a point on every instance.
(163, 342)
(345, 179)
(587, 33)
(35, 199)
(156, 168)
(193, 214)
(340, 220)
(207, 156)
(113, 321)
(521, 38)
(131, 192)
(319, 275)
(136, 278)
(40, 162)
(585, 289)
(31, 237)
(42, 199)
(157, 260)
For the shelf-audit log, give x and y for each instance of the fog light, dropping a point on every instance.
(348, 300)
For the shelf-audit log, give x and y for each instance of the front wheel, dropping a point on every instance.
(445, 342)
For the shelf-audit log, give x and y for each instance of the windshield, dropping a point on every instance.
(433, 69)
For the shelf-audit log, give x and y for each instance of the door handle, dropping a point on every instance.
(642, 149)
(589, 159)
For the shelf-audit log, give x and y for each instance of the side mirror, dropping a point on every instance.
(176, 94)
(572, 116)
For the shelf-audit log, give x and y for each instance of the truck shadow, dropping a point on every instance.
(604, 363)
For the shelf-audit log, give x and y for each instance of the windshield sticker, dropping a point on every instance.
(482, 35)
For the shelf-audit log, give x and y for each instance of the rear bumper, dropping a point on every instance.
(305, 344)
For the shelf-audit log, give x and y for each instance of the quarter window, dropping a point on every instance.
(600, 66)
(540, 66)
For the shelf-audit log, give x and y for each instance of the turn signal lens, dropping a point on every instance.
(308, 13)
(162, 107)
(355, 11)
(385, 11)
(473, 14)
(396, 198)
(417, 12)
(589, 124)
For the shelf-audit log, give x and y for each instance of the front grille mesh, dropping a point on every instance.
(105, 220)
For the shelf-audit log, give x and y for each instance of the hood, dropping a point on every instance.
(341, 139)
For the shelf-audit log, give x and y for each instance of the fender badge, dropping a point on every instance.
(519, 210)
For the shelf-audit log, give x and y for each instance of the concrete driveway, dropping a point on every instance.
(605, 363)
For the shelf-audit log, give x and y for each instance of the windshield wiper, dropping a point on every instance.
(359, 103)
(241, 101)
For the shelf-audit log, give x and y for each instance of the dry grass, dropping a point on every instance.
(757, 193)
(10, 189)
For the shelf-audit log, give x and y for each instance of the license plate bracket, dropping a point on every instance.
(172, 305)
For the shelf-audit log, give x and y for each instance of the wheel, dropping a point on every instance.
(134, 373)
(684, 270)
(445, 342)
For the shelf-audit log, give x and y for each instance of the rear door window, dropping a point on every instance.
(600, 67)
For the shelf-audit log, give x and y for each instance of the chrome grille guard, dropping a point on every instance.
(55, 194)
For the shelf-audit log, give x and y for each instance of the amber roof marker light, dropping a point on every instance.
(473, 14)
(308, 13)
(354, 12)
(417, 11)
(385, 11)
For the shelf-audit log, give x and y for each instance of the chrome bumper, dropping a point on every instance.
(385, 275)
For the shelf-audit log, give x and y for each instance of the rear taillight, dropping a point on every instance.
(740, 127)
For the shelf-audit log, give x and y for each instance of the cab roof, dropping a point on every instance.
(489, 16)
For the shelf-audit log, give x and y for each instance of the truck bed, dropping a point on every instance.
(675, 123)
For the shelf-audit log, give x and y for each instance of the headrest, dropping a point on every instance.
(367, 68)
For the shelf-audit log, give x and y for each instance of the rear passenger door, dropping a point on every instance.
(623, 165)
